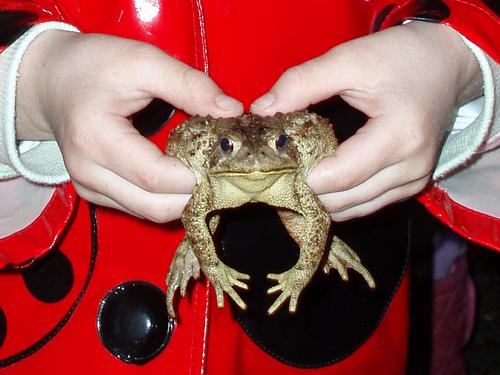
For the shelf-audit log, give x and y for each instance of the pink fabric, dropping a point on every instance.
(453, 318)
(21, 203)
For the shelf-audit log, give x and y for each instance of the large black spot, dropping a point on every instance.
(50, 279)
(3, 327)
(334, 318)
(132, 322)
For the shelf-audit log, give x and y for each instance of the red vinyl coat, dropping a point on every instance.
(244, 47)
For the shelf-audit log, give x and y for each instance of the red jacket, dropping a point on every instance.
(107, 249)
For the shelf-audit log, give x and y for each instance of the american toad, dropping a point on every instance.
(255, 159)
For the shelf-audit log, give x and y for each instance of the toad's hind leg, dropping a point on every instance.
(342, 257)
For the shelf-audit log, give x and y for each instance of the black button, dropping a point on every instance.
(3, 327)
(50, 279)
(133, 323)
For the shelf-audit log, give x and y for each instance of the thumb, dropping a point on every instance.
(309, 83)
(186, 88)
(357, 159)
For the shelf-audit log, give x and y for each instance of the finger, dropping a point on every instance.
(121, 149)
(239, 275)
(395, 195)
(219, 294)
(159, 208)
(170, 301)
(279, 301)
(236, 298)
(386, 180)
(353, 254)
(309, 83)
(274, 276)
(184, 282)
(293, 304)
(100, 200)
(238, 283)
(361, 156)
(185, 87)
(275, 288)
(335, 263)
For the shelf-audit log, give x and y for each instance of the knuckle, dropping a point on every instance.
(421, 168)
(159, 214)
(295, 76)
(192, 82)
(77, 174)
(342, 182)
(419, 185)
(77, 136)
(140, 53)
(148, 180)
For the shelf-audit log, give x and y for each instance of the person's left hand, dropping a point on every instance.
(408, 80)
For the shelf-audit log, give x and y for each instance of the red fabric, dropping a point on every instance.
(470, 224)
(265, 38)
(23, 247)
(382, 354)
(481, 26)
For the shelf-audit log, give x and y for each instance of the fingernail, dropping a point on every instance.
(226, 102)
(264, 101)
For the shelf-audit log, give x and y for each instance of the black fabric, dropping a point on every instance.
(4, 362)
(431, 10)
(421, 10)
(333, 317)
(494, 5)
(13, 24)
(3, 327)
(51, 278)
(381, 16)
(153, 117)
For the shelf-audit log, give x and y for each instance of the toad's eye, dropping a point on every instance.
(281, 141)
(226, 145)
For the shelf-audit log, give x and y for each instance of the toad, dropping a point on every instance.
(255, 159)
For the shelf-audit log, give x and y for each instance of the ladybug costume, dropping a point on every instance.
(82, 287)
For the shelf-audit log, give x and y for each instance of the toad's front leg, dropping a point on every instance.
(222, 277)
(310, 230)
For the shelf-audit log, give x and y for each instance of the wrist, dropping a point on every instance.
(466, 78)
(470, 78)
(35, 86)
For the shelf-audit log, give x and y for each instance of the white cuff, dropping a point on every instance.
(42, 162)
(461, 146)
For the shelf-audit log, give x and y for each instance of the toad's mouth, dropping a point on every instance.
(253, 182)
(256, 175)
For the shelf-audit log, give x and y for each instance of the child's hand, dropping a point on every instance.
(81, 88)
(408, 80)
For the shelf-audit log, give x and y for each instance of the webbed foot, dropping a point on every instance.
(341, 257)
(290, 283)
(223, 278)
(184, 267)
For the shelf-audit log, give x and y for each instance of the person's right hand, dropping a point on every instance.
(80, 90)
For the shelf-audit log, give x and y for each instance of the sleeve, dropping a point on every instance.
(40, 162)
(39, 204)
(470, 158)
